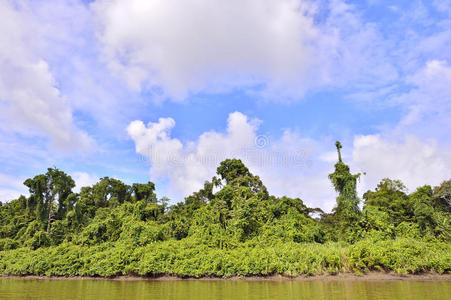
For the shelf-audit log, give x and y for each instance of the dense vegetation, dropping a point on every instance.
(232, 226)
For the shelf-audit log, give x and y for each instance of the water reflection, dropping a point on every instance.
(12, 288)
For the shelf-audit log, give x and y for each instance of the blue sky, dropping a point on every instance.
(163, 90)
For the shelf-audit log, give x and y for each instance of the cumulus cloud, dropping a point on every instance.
(192, 46)
(413, 161)
(285, 165)
(30, 100)
(189, 165)
(280, 48)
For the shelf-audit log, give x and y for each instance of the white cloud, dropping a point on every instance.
(361, 55)
(30, 101)
(189, 165)
(192, 46)
(277, 47)
(411, 160)
(285, 164)
(83, 179)
(416, 150)
(49, 69)
(11, 187)
(428, 103)
(69, 44)
(290, 165)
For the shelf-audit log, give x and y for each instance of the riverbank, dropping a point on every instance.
(190, 259)
(370, 276)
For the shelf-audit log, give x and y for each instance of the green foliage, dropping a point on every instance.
(404, 255)
(189, 258)
(144, 192)
(390, 196)
(39, 239)
(408, 229)
(232, 226)
(347, 212)
(8, 244)
(442, 196)
(375, 222)
(49, 196)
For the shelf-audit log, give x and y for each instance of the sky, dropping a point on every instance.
(157, 90)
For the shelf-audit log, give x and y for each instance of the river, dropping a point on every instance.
(26, 288)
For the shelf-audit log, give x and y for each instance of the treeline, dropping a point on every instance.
(232, 226)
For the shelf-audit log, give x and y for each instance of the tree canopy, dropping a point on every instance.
(234, 208)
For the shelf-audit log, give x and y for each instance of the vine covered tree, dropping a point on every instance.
(347, 210)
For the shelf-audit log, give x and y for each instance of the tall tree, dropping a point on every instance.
(48, 195)
(347, 210)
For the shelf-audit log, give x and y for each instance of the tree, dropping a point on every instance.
(390, 196)
(442, 196)
(235, 173)
(144, 192)
(345, 183)
(38, 188)
(48, 195)
(235, 212)
(111, 192)
(423, 209)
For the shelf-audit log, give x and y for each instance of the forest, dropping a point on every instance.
(231, 227)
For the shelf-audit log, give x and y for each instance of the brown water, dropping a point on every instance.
(13, 288)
